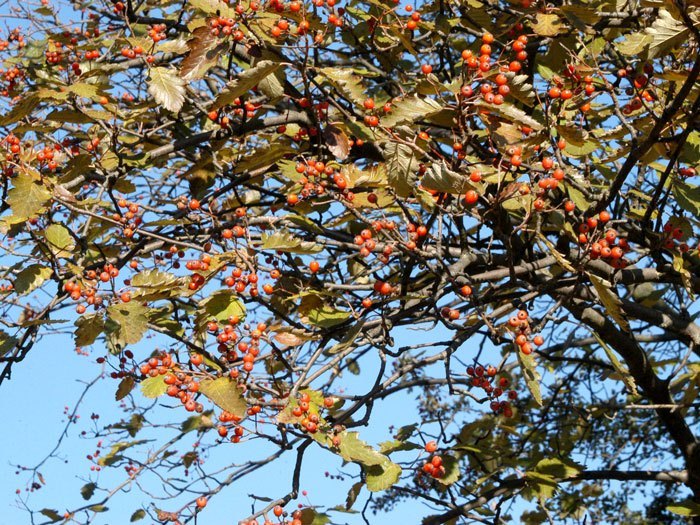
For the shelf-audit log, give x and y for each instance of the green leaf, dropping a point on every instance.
(204, 50)
(353, 493)
(68, 115)
(126, 385)
(197, 422)
(213, 7)
(401, 166)
(346, 82)
(153, 387)
(310, 516)
(512, 114)
(109, 161)
(85, 90)
(245, 81)
(688, 196)
(396, 445)
(263, 157)
(348, 339)
(135, 424)
(410, 109)
(287, 416)
(548, 24)
(561, 260)
(666, 33)
(272, 87)
(89, 328)
(528, 366)
(114, 453)
(540, 486)
(60, 240)
(577, 197)
(687, 507)
(189, 458)
(137, 515)
(634, 44)
(381, 472)
(31, 278)
(451, 465)
(7, 342)
(558, 468)
(406, 431)
(521, 89)
(131, 319)
(150, 285)
(610, 301)
(167, 88)
(352, 448)
(51, 514)
(383, 476)
(20, 110)
(88, 490)
(28, 195)
(314, 310)
(573, 135)
(225, 394)
(219, 306)
(580, 16)
(285, 241)
(441, 178)
(586, 148)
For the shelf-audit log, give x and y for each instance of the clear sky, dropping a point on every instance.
(52, 377)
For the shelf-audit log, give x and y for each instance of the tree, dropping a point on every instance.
(285, 193)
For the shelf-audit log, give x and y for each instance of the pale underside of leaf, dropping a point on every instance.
(610, 301)
(167, 88)
(410, 109)
(531, 376)
(666, 33)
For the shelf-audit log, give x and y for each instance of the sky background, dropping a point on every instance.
(53, 376)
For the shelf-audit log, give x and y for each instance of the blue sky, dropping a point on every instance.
(53, 376)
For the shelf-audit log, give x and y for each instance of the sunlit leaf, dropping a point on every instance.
(167, 88)
(225, 394)
(131, 319)
(610, 301)
(284, 241)
(410, 109)
(666, 33)
(89, 327)
(548, 24)
(153, 387)
(28, 195)
(528, 366)
(245, 81)
(31, 278)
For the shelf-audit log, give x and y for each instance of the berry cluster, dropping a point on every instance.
(519, 324)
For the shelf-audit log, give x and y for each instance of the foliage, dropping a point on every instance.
(284, 193)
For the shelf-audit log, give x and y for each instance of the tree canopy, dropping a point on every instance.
(263, 219)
